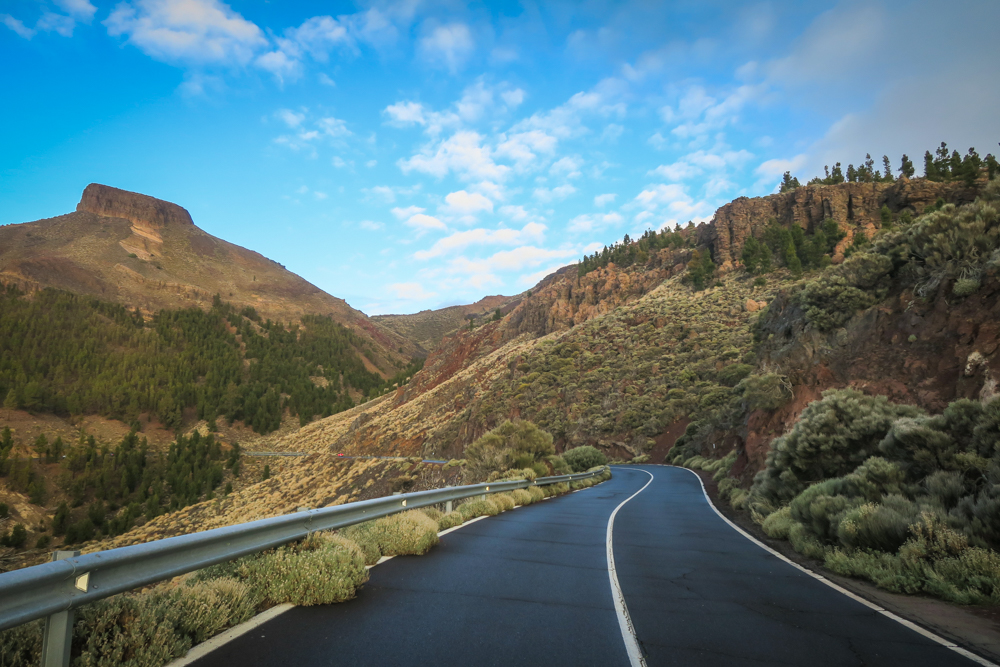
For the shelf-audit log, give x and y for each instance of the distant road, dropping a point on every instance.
(532, 587)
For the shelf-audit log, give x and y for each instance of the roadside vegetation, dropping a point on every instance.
(877, 490)
(151, 628)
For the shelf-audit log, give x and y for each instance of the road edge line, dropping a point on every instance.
(199, 651)
(624, 620)
(840, 589)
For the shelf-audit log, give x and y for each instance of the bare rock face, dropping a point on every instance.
(852, 206)
(142, 211)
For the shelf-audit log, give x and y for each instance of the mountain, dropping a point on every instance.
(428, 327)
(147, 253)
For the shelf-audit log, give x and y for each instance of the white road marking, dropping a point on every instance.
(871, 605)
(207, 646)
(624, 620)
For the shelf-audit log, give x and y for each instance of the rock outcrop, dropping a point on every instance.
(851, 205)
(142, 211)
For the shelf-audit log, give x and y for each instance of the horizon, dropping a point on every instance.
(499, 142)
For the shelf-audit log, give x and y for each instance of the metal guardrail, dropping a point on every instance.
(55, 588)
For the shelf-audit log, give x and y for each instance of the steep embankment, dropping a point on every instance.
(147, 253)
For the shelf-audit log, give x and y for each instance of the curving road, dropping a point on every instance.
(532, 587)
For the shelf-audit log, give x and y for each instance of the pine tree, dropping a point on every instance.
(906, 167)
(887, 169)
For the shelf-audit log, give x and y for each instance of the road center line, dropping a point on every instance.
(624, 620)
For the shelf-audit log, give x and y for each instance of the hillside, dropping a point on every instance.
(663, 348)
(146, 253)
(428, 327)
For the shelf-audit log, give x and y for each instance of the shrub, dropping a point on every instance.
(406, 533)
(503, 500)
(17, 537)
(556, 489)
(480, 507)
(779, 524)
(321, 569)
(769, 391)
(883, 527)
(522, 497)
(432, 513)
(831, 438)
(21, 646)
(209, 607)
(733, 373)
(559, 465)
(582, 458)
(129, 630)
(859, 283)
(642, 458)
(536, 493)
(516, 442)
(965, 287)
(450, 520)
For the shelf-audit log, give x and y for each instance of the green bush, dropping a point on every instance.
(207, 607)
(450, 520)
(833, 298)
(513, 444)
(582, 458)
(536, 493)
(21, 646)
(779, 524)
(129, 630)
(831, 438)
(769, 391)
(965, 287)
(470, 509)
(503, 500)
(733, 373)
(406, 533)
(522, 497)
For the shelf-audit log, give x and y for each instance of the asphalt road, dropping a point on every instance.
(531, 587)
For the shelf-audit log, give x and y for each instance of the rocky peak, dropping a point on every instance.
(141, 210)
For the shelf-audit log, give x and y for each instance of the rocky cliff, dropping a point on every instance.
(851, 205)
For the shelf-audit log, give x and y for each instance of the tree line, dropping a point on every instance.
(67, 354)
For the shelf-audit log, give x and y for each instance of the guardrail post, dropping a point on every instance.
(449, 506)
(57, 639)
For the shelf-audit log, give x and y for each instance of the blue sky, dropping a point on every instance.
(409, 155)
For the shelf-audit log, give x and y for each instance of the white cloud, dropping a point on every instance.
(523, 147)
(547, 195)
(16, 25)
(410, 291)
(195, 32)
(448, 46)
(532, 232)
(57, 23)
(515, 213)
(588, 223)
(600, 201)
(699, 162)
(81, 10)
(289, 117)
(334, 127)
(534, 278)
(320, 195)
(513, 98)
(612, 132)
(371, 225)
(567, 166)
(424, 222)
(406, 113)
(466, 203)
(325, 79)
(371, 163)
(463, 153)
(407, 212)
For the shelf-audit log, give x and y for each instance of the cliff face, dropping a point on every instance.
(140, 210)
(851, 205)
